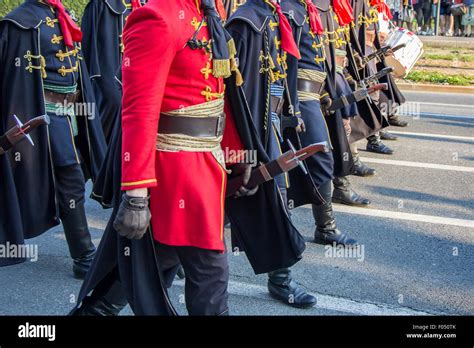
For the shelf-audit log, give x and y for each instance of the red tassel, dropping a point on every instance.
(344, 11)
(314, 18)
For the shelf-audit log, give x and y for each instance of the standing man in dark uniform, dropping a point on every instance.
(172, 165)
(308, 75)
(42, 72)
(102, 45)
(102, 25)
(334, 16)
(393, 97)
(261, 107)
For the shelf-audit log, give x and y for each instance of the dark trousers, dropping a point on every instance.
(423, 13)
(70, 188)
(207, 276)
(458, 27)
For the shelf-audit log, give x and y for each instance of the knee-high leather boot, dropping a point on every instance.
(79, 240)
(281, 286)
(326, 230)
(344, 194)
(107, 299)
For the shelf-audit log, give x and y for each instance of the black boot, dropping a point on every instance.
(326, 231)
(374, 144)
(282, 287)
(79, 240)
(394, 120)
(380, 148)
(362, 169)
(344, 194)
(384, 135)
(108, 299)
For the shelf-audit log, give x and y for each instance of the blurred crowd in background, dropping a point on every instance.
(456, 17)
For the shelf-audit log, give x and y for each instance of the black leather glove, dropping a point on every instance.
(301, 127)
(245, 170)
(133, 217)
(326, 103)
(359, 62)
(347, 126)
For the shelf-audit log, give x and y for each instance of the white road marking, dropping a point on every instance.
(418, 164)
(404, 216)
(445, 105)
(434, 115)
(333, 303)
(429, 135)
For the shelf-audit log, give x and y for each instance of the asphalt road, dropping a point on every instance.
(418, 235)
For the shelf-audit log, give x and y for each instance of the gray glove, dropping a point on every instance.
(133, 217)
(326, 103)
(245, 170)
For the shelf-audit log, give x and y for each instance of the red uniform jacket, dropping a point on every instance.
(161, 73)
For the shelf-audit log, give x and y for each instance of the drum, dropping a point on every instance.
(404, 59)
(385, 26)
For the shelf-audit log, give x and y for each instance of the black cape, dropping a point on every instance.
(119, 258)
(27, 192)
(368, 125)
(109, 179)
(102, 26)
(260, 224)
(343, 161)
(320, 166)
(370, 119)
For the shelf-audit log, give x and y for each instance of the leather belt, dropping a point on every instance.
(54, 98)
(276, 104)
(310, 86)
(201, 127)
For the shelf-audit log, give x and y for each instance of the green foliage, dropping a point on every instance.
(75, 6)
(450, 57)
(440, 78)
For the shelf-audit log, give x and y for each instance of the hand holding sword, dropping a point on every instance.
(20, 132)
(356, 96)
(266, 172)
(384, 51)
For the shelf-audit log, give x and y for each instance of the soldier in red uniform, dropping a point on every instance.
(173, 170)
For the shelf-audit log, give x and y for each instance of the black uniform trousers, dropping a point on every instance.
(207, 276)
(70, 188)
